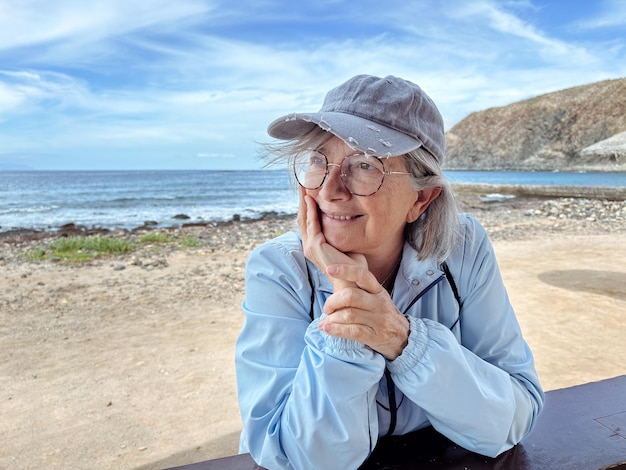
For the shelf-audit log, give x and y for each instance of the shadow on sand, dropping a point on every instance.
(609, 283)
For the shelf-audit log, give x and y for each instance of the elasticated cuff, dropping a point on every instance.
(333, 345)
(415, 349)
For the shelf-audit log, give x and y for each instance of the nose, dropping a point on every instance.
(328, 165)
(333, 187)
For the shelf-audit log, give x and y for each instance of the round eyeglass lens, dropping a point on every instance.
(311, 170)
(362, 174)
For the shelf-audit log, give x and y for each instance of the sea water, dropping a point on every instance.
(46, 200)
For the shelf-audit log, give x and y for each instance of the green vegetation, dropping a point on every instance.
(80, 249)
(83, 249)
(156, 237)
(189, 241)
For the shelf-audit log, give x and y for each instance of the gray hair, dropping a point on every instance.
(435, 232)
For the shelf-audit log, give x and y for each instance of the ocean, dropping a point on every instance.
(46, 200)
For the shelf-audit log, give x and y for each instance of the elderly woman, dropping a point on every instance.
(386, 313)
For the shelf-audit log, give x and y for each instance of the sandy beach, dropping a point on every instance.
(126, 362)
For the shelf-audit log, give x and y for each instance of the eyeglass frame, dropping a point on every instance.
(384, 172)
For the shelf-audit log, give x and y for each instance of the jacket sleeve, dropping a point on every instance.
(482, 392)
(303, 395)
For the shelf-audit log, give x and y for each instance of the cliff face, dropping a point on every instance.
(581, 128)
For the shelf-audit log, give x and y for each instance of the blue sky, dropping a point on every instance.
(192, 84)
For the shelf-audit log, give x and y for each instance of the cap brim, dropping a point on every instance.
(358, 133)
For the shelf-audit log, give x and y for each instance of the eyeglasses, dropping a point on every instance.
(362, 175)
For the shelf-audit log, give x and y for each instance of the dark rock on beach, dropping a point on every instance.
(73, 230)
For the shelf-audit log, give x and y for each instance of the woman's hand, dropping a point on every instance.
(316, 248)
(364, 312)
(360, 309)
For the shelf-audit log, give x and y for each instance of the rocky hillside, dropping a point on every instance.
(581, 128)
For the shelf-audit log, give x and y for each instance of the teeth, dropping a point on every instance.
(340, 217)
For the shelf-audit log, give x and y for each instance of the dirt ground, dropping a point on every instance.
(123, 364)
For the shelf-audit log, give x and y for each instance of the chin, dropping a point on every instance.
(343, 243)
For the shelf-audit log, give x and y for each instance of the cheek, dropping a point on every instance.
(399, 211)
(394, 203)
(386, 217)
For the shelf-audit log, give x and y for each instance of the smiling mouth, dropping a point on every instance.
(341, 217)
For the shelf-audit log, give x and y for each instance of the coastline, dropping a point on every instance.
(575, 202)
(57, 201)
(130, 357)
(611, 193)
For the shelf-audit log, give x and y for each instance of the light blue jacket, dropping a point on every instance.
(312, 401)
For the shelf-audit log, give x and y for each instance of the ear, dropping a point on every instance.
(424, 198)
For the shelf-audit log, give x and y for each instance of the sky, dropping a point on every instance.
(193, 84)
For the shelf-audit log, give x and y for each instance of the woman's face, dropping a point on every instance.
(370, 225)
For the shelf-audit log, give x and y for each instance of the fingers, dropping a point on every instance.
(315, 246)
(305, 215)
(364, 312)
(310, 230)
(308, 221)
(314, 243)
(386, 332)
(301, 211)
(354, 331)
(357, 273)
(354, 298)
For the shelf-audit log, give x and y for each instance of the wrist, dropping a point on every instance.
(403, 340)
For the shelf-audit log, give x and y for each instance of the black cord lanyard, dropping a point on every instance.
(391, 388)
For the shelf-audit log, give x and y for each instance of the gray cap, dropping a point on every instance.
(379, 116)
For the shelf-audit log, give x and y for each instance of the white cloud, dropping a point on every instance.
(34, 22)
(157, 73)
(612, 15)
(10, 99)
(29, 91)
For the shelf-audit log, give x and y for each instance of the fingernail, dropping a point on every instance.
(332, 270)
(324, 326)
